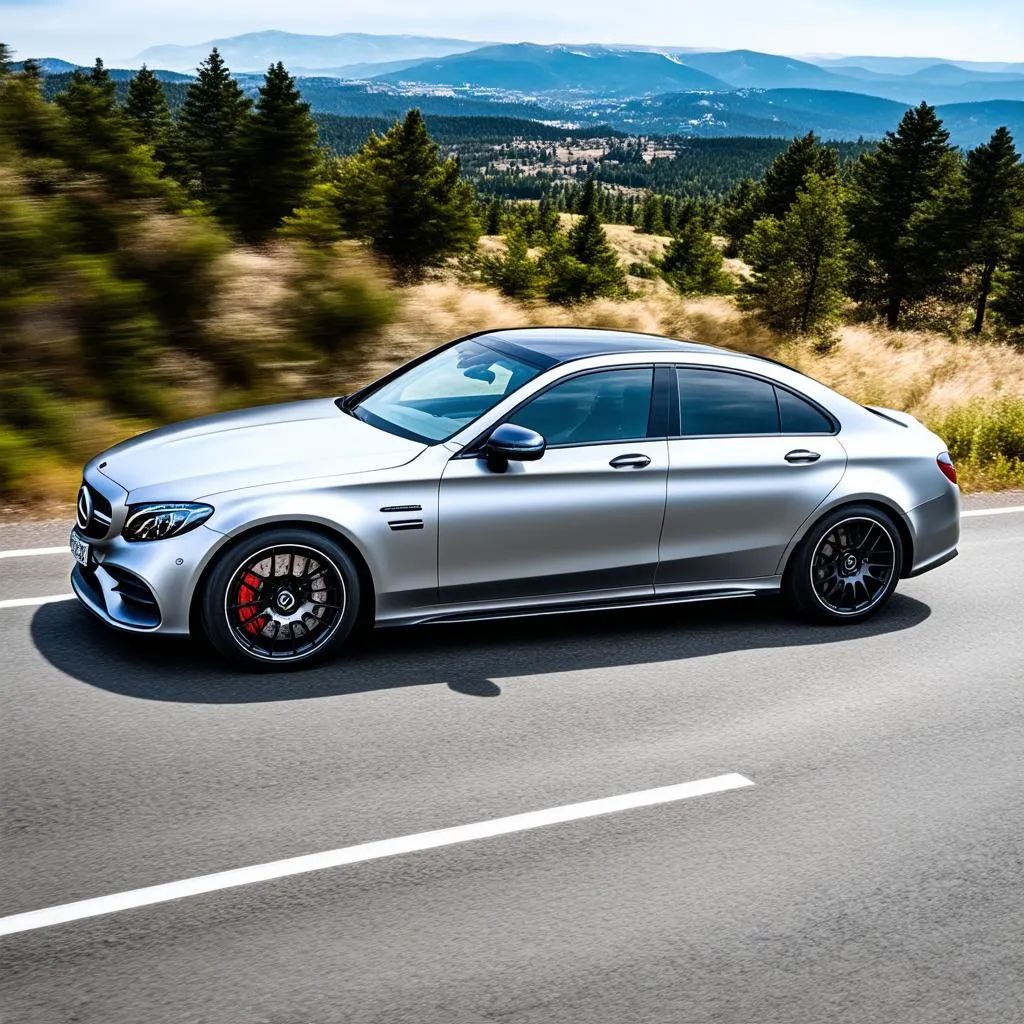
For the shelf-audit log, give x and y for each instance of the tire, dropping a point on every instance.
(281, 599)
(846, 567)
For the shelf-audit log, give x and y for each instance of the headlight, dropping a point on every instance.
(165, 519)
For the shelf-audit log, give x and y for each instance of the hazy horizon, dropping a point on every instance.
(80, 30)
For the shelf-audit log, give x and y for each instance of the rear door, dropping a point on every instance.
(750, 462)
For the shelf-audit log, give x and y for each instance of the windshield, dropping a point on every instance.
(436, 398)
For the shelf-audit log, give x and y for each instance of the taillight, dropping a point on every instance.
(945, 463)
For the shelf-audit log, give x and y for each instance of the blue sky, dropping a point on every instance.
(118, 29)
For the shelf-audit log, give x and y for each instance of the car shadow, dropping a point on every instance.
(466, 658)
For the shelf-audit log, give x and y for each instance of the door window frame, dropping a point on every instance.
(658, 414)
(675, 410)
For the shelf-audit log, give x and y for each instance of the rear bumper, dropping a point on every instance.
(935, 526)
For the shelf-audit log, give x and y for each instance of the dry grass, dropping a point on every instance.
(924, 373)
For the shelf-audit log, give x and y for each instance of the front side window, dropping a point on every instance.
(435, 399)
(714, 402)
(604, 406)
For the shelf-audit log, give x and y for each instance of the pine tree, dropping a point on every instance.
(788, 173)
(692, 263)
(277, 156)
(494, 217)
(800, 262)
(742, 207)
(414, 208)
(547, 217)
(1008, 301)
(651, 222)
(146, 107)
(514, 273)
(6, 58)
(99, 139)
(891, 188)
(994, 211)
(212, 116)
(583, 265)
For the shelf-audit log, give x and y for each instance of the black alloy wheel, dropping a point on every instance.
(281, 599)
(847, 566)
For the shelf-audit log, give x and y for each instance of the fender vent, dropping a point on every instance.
(405, 524)
(402, 508)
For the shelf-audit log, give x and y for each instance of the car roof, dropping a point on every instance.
(556, 345)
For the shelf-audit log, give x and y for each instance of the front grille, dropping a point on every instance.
(97, 524)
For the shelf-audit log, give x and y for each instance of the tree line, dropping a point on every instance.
(914, 223)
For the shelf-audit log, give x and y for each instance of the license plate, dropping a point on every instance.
(79, 549)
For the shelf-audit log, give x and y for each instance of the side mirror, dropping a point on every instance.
(509, 442)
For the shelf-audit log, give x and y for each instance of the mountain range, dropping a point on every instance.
(563, 71)
(638, 90)
(255, 51)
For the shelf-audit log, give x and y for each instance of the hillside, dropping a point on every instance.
(531, 69)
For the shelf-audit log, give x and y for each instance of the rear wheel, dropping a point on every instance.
(281, 599)
(847, 566)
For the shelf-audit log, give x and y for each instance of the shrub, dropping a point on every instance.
(336, 304)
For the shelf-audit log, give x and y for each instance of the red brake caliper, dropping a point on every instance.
(247, 592)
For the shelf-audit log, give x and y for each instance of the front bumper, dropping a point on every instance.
(145, 587)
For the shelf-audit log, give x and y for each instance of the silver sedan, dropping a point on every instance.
(511, 473)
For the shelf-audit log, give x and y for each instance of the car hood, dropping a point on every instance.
(267, 445)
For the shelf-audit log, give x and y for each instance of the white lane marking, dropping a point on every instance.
(32, 552)
(1005, 510)
(365, 851)
(31, 602)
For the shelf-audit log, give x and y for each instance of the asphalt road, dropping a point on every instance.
(872, 873)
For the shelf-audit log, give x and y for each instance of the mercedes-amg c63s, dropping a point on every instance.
(505, 474)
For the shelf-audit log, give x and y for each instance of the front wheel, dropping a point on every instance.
(846, 567)
(280, 599)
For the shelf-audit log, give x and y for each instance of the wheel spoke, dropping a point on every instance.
(853, 565)
(266, 630)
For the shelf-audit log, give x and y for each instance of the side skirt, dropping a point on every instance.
(574, 608)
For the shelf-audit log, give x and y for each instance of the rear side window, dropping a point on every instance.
(800, 417)
(715, 402)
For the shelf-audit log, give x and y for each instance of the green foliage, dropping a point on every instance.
(799, 262)
(277, 158)
(412, 207)
(692, 263)
(646, 271)
(894, 213)
(146, 109)
(582, 265)
(1009, 299)
(991, 213)
(316, 223)
(495, 214)
(333, 309)
(213, 114)
(742, 208)
(985, 432)
(789, 173)
(651, 219)
(514, 273)
(17, 459)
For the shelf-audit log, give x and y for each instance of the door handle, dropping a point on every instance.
(630, 462)
(801, 456)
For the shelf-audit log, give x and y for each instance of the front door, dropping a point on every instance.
(586, 517)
